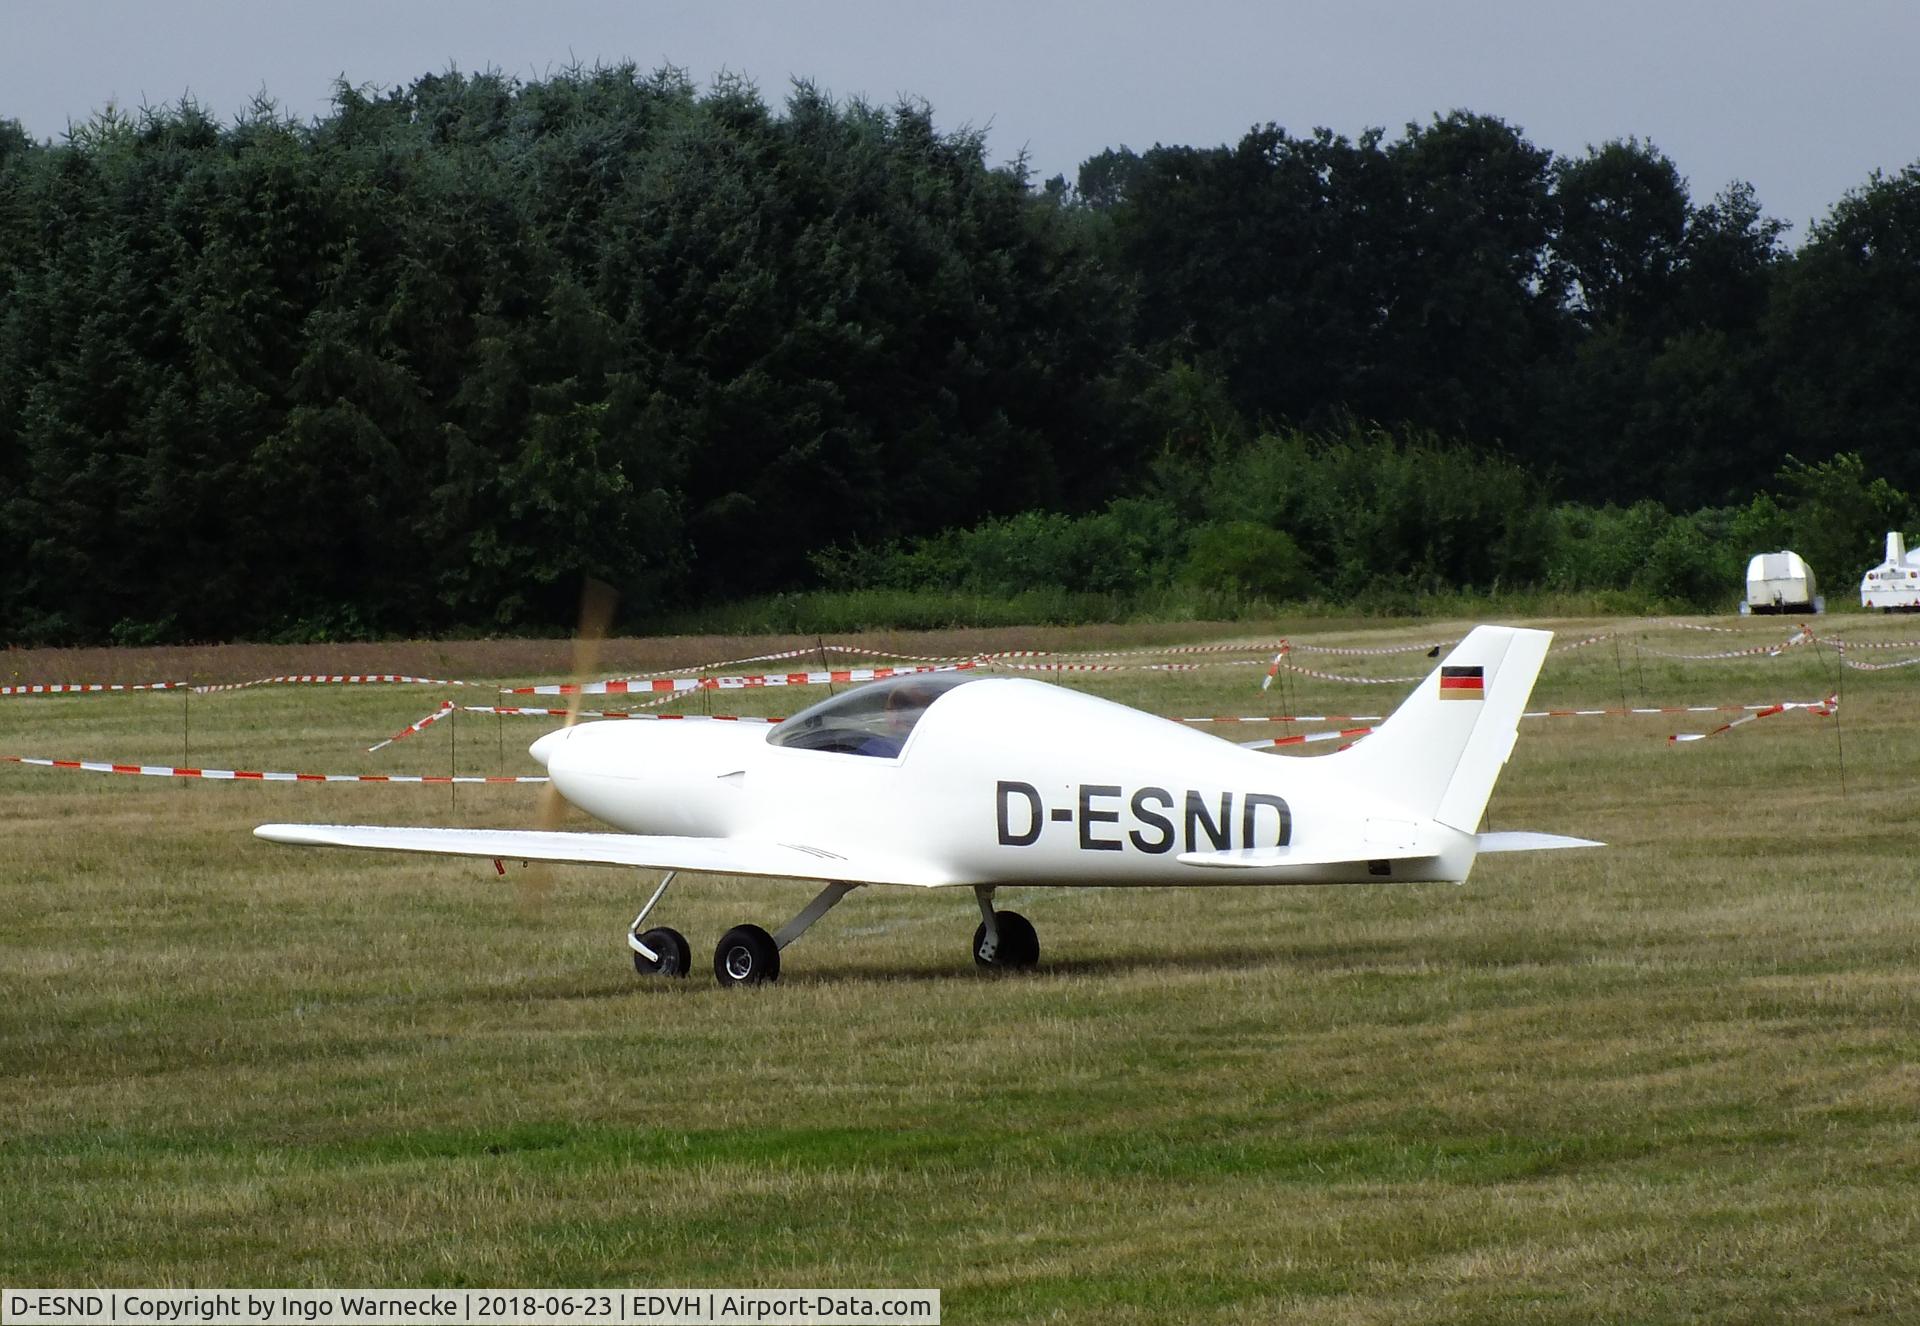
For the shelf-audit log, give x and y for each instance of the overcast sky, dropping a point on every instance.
(1803, 100)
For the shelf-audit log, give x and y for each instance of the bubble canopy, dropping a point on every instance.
(874, 719)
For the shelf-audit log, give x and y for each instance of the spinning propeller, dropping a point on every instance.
(597, 602)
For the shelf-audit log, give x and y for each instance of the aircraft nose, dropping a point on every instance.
(543, 749)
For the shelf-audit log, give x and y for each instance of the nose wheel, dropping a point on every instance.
(661, 951)
(1003, 939)
(672, 956)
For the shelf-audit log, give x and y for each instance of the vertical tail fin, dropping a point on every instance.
(1439, 753)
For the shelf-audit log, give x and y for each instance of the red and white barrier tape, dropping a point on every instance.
(727, 663)
(729, 683)
(1858, 666)
(88, 687)
(1349, 734)
(1368, 652)
(1637, 712)
(1643, 711)
(1803, 636)
(304, 679)
(1069, 655)
(1819, 709)
(432, 718)
(1841, 645)
(1144, 650)
(1281, 664)
(333, 679)
(1009, 666)
(860, 651)
(670, 697)
(1285, 718)
(1648, 710)
(258, 776)
(1044, 668)
(518, 711)
(676, 681)
(1842, 642)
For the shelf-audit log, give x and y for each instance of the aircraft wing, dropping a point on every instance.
(712, 856)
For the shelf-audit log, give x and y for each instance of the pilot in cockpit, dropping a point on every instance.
(903, 709)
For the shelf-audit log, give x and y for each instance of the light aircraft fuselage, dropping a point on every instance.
(1002, 781)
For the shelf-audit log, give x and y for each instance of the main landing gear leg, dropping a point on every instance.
(1003, 939)
(748, 955)
(661, 951)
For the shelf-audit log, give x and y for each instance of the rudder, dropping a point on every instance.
(1439, 754)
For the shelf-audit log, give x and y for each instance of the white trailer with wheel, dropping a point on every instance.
(1894, 585)
(1781, 582)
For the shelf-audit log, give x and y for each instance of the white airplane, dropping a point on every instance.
(960, 780)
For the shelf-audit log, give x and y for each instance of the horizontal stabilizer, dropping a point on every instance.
(713, 856)
(1531, 842)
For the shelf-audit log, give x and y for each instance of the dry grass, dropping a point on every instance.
(1674, 1080)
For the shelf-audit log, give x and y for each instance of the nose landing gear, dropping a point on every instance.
(662, 951)
(672, 954)
(1003, 939)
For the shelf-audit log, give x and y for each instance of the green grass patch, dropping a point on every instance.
(1674, 1080)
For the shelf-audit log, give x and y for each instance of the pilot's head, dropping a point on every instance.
(904, 704)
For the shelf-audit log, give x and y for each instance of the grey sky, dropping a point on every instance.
(1803, 100)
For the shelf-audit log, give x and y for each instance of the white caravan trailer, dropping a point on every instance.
(1894, 585)
(1781, 582)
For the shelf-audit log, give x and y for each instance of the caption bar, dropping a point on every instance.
(471, 1307)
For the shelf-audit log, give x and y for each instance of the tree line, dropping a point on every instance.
(425, 362)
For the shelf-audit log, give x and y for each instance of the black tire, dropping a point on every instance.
(746, 955)
(1019, 945)
(675, 955)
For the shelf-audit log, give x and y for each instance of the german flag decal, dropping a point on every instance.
(1463, 683)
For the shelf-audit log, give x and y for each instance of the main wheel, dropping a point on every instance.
(1019, 945)
(675, 956)
(746, 955)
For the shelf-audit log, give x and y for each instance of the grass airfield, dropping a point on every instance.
(1676, 1079)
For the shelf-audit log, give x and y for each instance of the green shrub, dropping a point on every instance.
(1369, 507)
(1687, 568)
(1129, 547)
(1240, 559)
